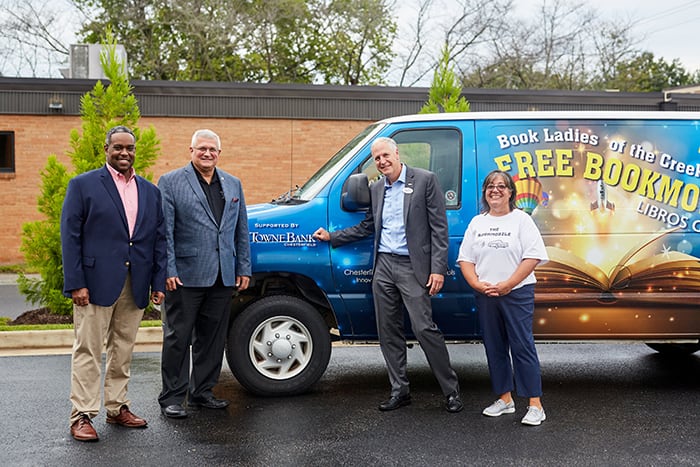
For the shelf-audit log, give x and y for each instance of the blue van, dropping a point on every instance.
(615, 195)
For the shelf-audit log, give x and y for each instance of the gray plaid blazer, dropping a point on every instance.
(197, 246)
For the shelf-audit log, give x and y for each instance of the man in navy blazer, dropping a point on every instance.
(114, 258)
(208, 260)
(407, 217)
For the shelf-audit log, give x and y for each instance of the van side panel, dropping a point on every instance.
(618, 205)
(448, 149)
(282, 246)
(351, 265)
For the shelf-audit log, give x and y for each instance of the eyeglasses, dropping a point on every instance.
(496, 187)
(211, 151)
(120, 148)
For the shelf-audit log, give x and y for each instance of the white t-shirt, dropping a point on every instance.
(496, 245)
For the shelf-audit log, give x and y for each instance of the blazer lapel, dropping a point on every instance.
(197, 189)
(408, 193)
(141, 190)
(111, 188)
(378, 203)
(230, 197)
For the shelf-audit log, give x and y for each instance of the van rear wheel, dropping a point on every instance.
(674, 349)
(278, 346)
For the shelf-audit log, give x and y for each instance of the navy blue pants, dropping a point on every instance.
(506, 324)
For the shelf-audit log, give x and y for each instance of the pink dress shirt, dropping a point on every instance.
(129, 194)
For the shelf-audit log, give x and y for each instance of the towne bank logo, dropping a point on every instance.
(285, 236)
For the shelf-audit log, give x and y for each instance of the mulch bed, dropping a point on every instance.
(44, 316)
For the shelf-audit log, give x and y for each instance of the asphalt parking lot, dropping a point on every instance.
(607, 404)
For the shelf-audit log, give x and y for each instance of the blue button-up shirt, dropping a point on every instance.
(393, 236)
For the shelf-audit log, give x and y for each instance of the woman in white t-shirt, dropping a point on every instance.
(499, 253)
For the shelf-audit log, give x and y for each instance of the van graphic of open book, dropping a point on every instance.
(638, 271)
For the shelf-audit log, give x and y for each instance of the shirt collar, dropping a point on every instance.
(214, 177)
(402, 177)
(116, 175)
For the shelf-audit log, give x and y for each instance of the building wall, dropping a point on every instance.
(268, 155)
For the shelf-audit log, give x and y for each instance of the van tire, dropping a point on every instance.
(674, 349)
(278, 346)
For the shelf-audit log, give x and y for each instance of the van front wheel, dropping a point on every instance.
(278, 346)
(674, 349)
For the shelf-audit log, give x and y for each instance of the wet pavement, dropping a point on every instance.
(606, 404)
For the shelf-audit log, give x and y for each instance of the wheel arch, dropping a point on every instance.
(286, 283)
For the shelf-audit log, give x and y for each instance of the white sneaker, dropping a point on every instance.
(534, 416)
(498, 408)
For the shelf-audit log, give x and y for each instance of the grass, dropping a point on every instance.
(48, 327)
(15, 269)
(4, 326)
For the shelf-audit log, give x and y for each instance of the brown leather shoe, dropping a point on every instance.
(82, 430)
(127, 419)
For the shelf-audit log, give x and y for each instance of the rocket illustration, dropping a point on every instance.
(602, 202)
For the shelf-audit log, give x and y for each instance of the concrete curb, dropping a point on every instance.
(60, 341)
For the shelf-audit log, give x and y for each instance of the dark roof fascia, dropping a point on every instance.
(213, 88)
(555, 95)
(384, 100)
(46, 84)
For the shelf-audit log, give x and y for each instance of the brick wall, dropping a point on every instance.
(268, 155)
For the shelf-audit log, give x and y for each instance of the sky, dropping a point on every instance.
(669, 27)
(666, 28)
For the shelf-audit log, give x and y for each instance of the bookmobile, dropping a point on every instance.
(616, 196)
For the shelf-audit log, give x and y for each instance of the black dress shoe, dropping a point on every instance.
(454, 403)
(174, 411)
(395, 402)
(209, 403)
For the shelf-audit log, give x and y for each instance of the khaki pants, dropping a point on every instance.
(116, 326)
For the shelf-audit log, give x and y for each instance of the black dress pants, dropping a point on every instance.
(196, 317)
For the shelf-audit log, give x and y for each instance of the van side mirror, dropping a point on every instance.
(355, 195)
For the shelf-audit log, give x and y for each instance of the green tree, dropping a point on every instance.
(283, 41)
(183, 40)
(646, 73)
(355, 40)
(445, 93)
(101, 109)
(278, 40)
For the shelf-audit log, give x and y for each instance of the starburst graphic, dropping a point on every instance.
(665, 251)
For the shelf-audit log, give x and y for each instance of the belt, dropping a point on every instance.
(393, 255)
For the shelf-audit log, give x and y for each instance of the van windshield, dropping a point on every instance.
(321, 178)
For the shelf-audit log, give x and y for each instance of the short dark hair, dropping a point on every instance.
(118, 129)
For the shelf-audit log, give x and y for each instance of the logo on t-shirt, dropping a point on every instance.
(497, 244)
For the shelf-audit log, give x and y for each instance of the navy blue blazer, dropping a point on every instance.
(97, 250)
(199, 247)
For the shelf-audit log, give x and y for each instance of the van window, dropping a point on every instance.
(437, 150)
